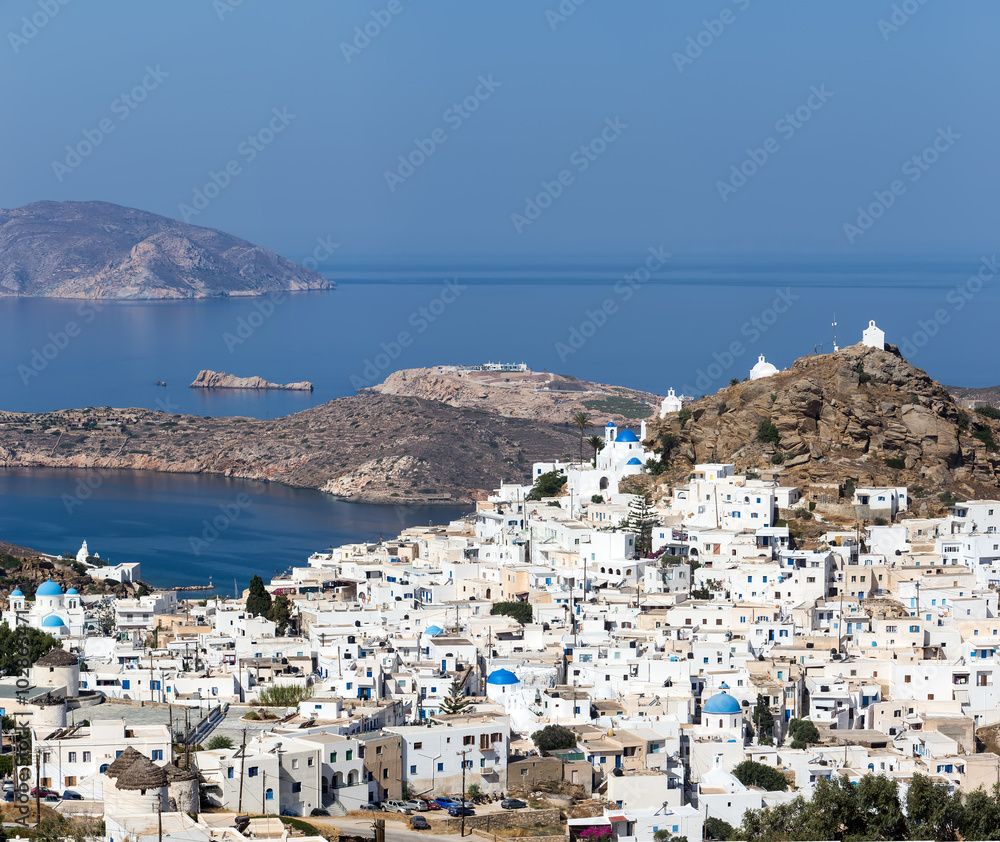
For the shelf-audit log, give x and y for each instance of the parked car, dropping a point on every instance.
(419, 823)
(8, 786)
(447, 803)
(513, 804)
(52, 799)
(319, 811)
(42, 791)
(432, 804)
(9, 796)
(393, 806)
(418, 805)
(69, 795)
(461, 811)
(374, 807)
(287, 812)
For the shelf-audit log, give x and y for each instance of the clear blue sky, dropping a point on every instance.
(323, 175)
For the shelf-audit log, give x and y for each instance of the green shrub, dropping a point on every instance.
(985, 435)
(596, 498)
(778, 458)
(684, 416)
(520, 611)
(989, 412)
(283, 695)
(962, 420)
(812, 505)
(895, 462)
(767, 433)
(548, 484)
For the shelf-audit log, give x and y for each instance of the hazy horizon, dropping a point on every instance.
(401, 130)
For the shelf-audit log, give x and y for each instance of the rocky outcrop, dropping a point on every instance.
(100, 250)
(859, 413)
(541, 396)
(208, 379)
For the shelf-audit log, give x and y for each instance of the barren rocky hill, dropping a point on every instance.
(541, 396)
(100, 250)
(373, 448)
(859, 413)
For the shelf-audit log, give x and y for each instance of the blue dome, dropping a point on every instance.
(502, 677)
(17, 592)
(52, 622)
(49, 588)
(722, 703)
(609, 424)
(633, 461)
(72, 592)
(627, 436)
(431, 631)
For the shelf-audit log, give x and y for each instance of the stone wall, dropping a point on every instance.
(507, 818)
(492, 838)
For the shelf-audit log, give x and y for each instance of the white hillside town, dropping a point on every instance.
(631, 659)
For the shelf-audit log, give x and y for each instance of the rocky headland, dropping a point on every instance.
(208, 379)
(103, 251)
(540, 396)
(370, 448)
(858, 415)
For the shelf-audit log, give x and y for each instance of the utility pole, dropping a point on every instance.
(187, 739)
(463, 793)
(243, 764)
(170, 715)
(38, 786)
(263, 792)
(159, 819)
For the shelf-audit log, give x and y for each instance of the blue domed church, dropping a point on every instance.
(53, 612)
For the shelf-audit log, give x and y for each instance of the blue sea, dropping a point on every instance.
(692, 325)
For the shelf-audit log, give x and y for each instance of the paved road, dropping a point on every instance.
(394, 831)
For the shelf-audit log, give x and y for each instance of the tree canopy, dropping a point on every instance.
(258, 600)
(872, 809)
(553, 737)
(750, 773)
(520, 611)
(548, 484)
(456, 701)
(12, 641)
(803, 733)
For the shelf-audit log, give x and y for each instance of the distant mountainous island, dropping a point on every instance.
(104, 251)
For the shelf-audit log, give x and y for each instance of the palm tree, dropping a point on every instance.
(595, 442)
(581, 420)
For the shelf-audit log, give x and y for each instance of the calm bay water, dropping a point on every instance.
(693, 326)
(59, 354)
(185, 528)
